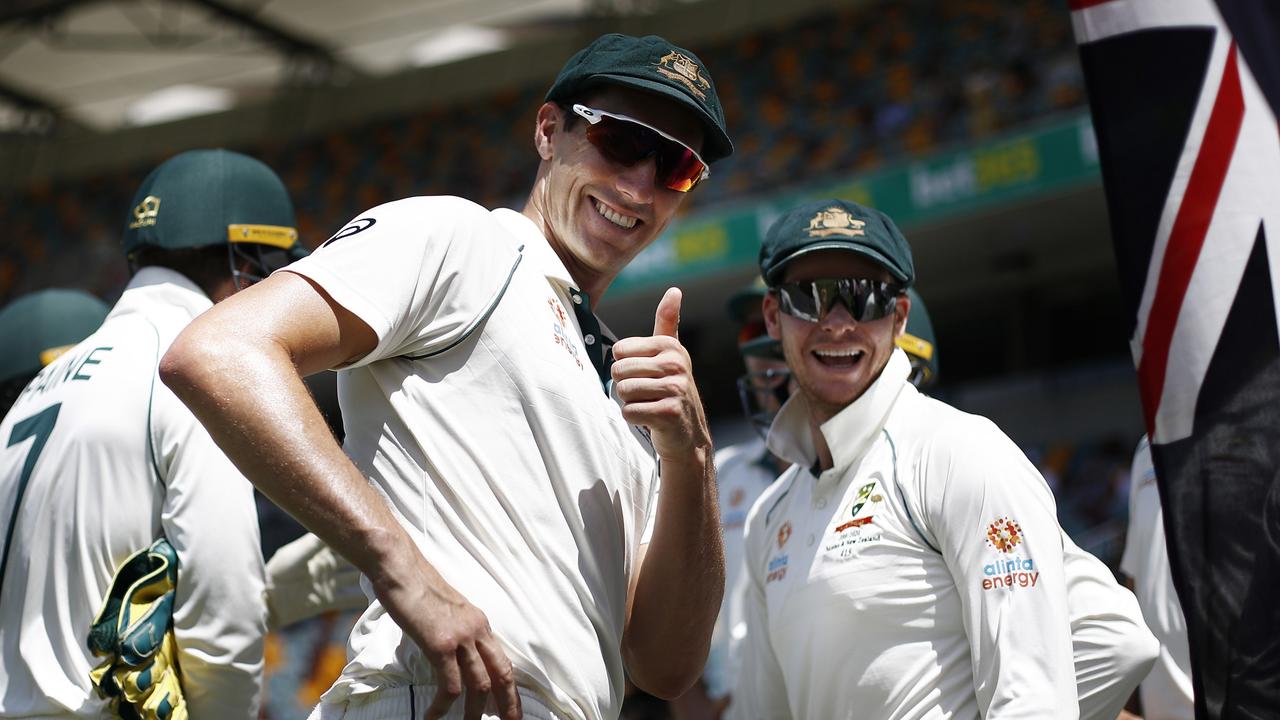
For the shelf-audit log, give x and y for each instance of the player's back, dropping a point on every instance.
(79, 492)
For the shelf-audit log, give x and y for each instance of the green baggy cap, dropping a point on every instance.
(835, 225)
(652, 64)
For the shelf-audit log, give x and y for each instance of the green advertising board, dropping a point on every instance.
(1049, 158)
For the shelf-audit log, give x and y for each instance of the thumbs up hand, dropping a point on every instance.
(654, 379)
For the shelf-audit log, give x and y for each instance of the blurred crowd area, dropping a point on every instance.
(826, 96)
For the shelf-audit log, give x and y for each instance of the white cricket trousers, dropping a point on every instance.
(410, 703)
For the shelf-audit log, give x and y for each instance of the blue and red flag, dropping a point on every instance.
(1184, 96)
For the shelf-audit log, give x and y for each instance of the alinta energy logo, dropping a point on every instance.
(1004, 535)
(1008, 571)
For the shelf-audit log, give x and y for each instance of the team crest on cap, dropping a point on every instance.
(835, 220)
(681, 68)
(1004, 535)
(144, 215)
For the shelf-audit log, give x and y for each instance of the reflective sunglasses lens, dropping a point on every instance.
(679, 168)
(627, 143)
(618, 142)
(800, 300)
(866, 300)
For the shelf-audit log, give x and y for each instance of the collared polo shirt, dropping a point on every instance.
(919, 577)
(482, 418)
(98, 459)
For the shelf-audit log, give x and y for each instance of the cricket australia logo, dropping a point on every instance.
(681, 68)
(855, 526)
(866, 494)
(560, 332)
(835, 220)
(144, 215)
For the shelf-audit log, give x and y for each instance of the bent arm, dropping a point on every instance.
(998, 532)
(239, 368)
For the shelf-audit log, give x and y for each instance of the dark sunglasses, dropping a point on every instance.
(628, 141)
(865, 299)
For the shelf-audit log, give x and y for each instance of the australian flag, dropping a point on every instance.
(1184, 96)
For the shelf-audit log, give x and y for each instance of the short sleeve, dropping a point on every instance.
(421, 272)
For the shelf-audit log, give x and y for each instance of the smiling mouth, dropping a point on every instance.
(617, 218)
(839, 358)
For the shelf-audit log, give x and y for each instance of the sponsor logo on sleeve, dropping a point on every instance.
(352, 228)
(777, 568)
(1008, 569)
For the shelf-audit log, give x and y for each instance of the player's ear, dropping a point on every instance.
(769, 309)
(549, 120)
(901, 310)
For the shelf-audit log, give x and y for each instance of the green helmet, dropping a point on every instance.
(920, 343)
(201, 198)
(37, 328)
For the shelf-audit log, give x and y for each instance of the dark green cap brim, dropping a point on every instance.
(716, 144)
(775, 274)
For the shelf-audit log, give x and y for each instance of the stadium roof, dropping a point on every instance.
(100, 65)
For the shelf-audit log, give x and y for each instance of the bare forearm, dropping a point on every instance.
(681, 582)
(252, 401)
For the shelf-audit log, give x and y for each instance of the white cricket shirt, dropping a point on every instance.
(920, 577)
(1167, 693)
(106, 459)
(499, 449)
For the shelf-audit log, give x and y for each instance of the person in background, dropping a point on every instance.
(743, 471)
(36, 329)
(910, 545)
(1166, 692)
(118, 499)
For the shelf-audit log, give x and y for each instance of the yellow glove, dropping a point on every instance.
(134, 634)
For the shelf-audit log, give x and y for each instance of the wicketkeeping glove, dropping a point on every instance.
(133, 633)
